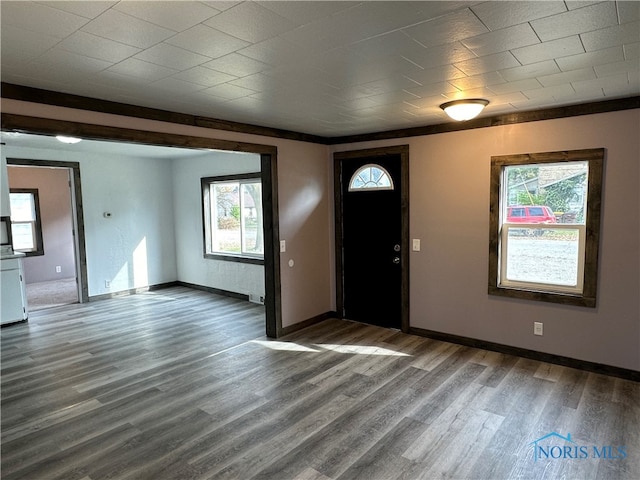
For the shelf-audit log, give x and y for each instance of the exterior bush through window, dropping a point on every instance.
(545, 217)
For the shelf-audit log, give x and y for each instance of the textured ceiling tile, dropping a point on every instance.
(497, 61)
(628, 11)
(613, 81)
(275, 51)
(207, 41)
(621, 89)
(175, 86)
(631, 51)
(506, 98)
(113, 80)
(502, 40)
(203, 76)
(441, 55)
(346, 68)
(305, 12)
(582, 20)
(575, 4)
(616, 68)
(567, 77)
(250, 22)
(608, 37)
(57, 59)
(433, 90)
(172, 57)
(258, 82)
(143, 70)
(589, 59)
(530, 71)
(550, 92)
(41, 18)
(497, 15)
(437, 74)
(228, 91)
(168, 14)
(125, 29)
(476, 81)
(549, 50)
(325, 34)
(87, 9)
(236, 64)
(395, 43)
(31, 44)
(449, 28)
(516, 86)
(89, 45)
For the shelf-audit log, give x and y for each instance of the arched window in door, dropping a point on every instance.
(371, 177)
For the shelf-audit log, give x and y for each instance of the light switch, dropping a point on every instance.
(283, 246)
(416, 244)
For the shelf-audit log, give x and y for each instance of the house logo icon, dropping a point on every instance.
(537, 449)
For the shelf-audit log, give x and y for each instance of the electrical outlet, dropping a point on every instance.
(537, 328)
(58, 269)
(107, 284)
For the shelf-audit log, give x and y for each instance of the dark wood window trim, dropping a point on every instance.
(39, 244)
(595, 157)
(205, 183)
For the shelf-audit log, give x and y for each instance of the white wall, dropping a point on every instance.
(135, 247)
(192, 267)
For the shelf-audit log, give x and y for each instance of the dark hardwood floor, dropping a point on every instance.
(183, 384)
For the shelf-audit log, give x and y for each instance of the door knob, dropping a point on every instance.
(396, 248)
(396, 260)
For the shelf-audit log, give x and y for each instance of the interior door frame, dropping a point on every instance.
(338, 158)
(77, 214)
(269, 175)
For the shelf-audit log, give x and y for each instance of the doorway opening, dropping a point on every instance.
(268, 162)
(372, 236)
(55, 274)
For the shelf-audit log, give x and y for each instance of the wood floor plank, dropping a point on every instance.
(180, 384)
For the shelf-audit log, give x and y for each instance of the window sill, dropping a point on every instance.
(561, 298)
(234, 258)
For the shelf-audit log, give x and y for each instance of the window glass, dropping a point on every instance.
(23, 207)
(371, 177)
(542, 207)
(25, 222)
(232, 208)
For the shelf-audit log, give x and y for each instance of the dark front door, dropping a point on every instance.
(373, 245)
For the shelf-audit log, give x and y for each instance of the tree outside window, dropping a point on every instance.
(232, 216)
(545, 217)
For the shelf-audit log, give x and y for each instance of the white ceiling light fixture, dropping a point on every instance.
(467, 109)
(69, 140)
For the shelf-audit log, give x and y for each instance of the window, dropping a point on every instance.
(545, 224)
(232, 217)
(26, 228)
(371, 177)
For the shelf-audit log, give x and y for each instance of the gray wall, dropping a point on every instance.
(449, 275)
(449, 212)
(56, 218)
